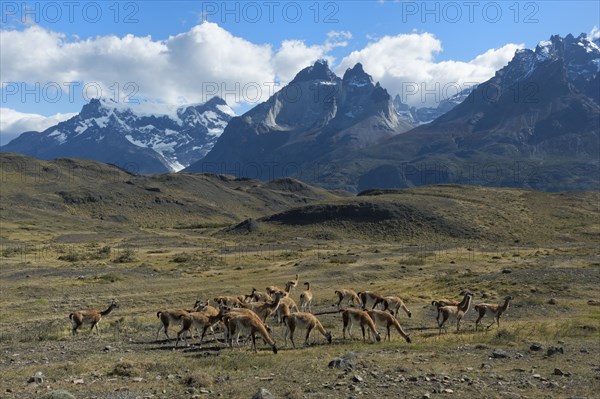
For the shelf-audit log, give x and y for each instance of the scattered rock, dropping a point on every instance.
(107, 348)
(339, 363)
(37, 378)
(593, 302)
(499, 354)
(558, 371)
(486, 366)
(426, 396)
(263, 394)
(506, 271)
(137, 379)
(447, 390)
(536, 347)
(78, 381)
(552, 301)
(357, 378)
(555, 349)
(58, 394)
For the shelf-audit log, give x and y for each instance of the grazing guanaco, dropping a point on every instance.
(252, 325)
(459, 311)
(362, 318)
(92, 317)
(345, 294)
(383, 318)
(495, 309)
(366, 296)
(264, 309)
(227, 314)
(292, 284)
(393, 304)
(306, 298)
(305, 321)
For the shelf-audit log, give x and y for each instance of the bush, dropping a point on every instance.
(126, 257)
(199, 380)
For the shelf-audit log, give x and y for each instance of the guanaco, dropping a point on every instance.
(366, 296)
(250, 324)
(495, 309)
(305, 321)
(200, 321)
(258, 296)
(264, 309)
(306, 298)
(293, 283)
(362, 318)
(172, 316)
(393, 304)
(231, 301)
(291, 305)
(459, 311)
(383, 318)
(92, 317)
(440, 303)
(345, 294)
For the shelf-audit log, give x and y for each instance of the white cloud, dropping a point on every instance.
(595, 33)
(13, 123)
(406, 64)
(188, 67)
(206, 60)
(293, 55)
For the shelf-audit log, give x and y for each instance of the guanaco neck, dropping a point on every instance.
(506, 304)
(108, 310)
(465, 303)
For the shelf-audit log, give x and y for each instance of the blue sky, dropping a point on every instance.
(443, 36)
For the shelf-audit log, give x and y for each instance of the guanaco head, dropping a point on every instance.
(329, 337)
(508, 298)
(408, 339)
(114, 304)
(377, 336)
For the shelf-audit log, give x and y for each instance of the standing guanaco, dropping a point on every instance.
(264, 309)
(306, 298)
(366, 296)
(345, 294)
(440, 303)
(172, 316)
(495, 309)
(459, 311)
(362, 318)
(293, 283)
(92, 317)
(200, 321)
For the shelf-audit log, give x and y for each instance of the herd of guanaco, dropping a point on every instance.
(246, 315)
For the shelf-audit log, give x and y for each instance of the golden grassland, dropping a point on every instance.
(39, 291)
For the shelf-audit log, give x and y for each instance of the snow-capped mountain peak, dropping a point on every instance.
(175, 135)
